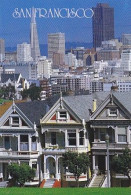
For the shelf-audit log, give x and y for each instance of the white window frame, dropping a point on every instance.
(122, 135)
(59, 115)
(111, 114)
(68, 132)
(11, 120)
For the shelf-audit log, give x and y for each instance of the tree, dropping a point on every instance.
(21, 173)
(122, 163)
(33, 92)
(76, 163)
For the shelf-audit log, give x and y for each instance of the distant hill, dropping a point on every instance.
(44, 47)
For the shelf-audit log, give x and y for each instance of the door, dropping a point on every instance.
(101, 163)
(7, 142)
(5, 171)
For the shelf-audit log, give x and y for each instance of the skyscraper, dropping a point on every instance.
(35, 50)
(23, 53)
(2, 50)
(56, 45)
(103, 24)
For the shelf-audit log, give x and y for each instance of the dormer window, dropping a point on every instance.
(62, 115)
(112, 111)
(15, 121)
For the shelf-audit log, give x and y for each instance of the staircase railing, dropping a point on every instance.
(91, 180)
(102, 181)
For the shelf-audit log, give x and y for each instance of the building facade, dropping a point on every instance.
(24, 53)
(2, 50)
(56, 44)
(39, 132)
(103, 24)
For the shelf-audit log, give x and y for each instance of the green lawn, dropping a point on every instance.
(64, 191)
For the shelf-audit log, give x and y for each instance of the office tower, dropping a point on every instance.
(23, 53)
(2, 50)
(56, 45)
(103, 24)
(35, 50)
(126, 39)
(126, 60)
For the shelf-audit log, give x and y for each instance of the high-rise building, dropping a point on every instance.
(35, 49)
(2, 50)
(56, 44)
(126, 60)
(103, 24)
(23, 53)
(126, 39)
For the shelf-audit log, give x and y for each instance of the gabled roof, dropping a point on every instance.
(125, 99)
(82, 103)
(121, 99)
(35, 110)
(5, 106)
(6, 77)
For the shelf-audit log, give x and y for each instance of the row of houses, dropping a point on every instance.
(39, 132)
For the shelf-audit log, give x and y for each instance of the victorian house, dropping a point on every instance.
(39, 132)
(19, 142)
(112, 117)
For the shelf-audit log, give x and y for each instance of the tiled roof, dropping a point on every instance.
(125, 99)
(35, 110)
(5, 106)
(6, 77)
(82, 103)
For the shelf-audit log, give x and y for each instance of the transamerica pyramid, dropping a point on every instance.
(35, 49)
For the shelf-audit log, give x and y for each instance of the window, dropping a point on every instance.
(7, 143)
(23, 138)
(62, 115)
(72, 138)
(102, 134)
(122, 138)
(33, 139)
(15, 121)
(53, 138)
(24, 146)
(112, 112)
(81, 138)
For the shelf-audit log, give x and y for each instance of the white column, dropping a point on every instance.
(1, 170)
(128, 135)
(106, 163)
(29, 142)
(18, 142)
(116, 136)
(66, 141)
(94, 163)
(30, 164)
(57, 175)
(44, 167)
(77, 137)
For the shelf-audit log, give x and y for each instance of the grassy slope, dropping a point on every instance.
(64, 191)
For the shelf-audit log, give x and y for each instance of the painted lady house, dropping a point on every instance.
(19, 142)
(39, 132)
(112, 117)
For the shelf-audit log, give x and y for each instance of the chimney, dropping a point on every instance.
(114, 88)
(94, 105)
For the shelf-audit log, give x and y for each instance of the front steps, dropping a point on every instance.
(49, 183)
(97, 181)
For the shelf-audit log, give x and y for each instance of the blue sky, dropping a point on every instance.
(18, 30)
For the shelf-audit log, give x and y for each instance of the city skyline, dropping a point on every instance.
(16, 31)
